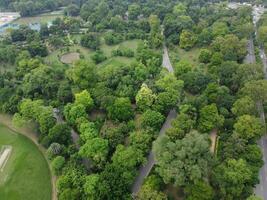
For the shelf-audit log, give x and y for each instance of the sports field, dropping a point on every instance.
(26, 174)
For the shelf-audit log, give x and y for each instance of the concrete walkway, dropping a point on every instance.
(145, 169)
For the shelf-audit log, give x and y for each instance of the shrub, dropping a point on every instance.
(57, 164)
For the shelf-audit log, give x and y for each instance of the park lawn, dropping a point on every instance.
(54, 57)
(191, 55)
(43, 18)
(26, 175)
(116, 61)
(107, 49)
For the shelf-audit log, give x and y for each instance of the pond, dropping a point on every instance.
(33, 22)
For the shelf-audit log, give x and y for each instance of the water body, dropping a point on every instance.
(34, 26)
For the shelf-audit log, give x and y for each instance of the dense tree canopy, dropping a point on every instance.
(183, 161)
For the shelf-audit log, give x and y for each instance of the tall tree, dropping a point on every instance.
(183, 161)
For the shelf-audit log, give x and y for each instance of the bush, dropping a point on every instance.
(91, 41)
(57, 164)
(98, 57)
(152, 119)
(126, 52)
(204, 56)
(112, 38)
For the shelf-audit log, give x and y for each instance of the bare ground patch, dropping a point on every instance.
(69, 58)
(4, 155)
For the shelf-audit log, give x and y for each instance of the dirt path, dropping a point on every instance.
(29, 133)
(213, 136)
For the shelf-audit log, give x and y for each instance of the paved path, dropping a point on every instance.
(145, 169)
(74, 135)
(261, 188)
(166, 60)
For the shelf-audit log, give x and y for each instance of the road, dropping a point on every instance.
(145, 169)
(260, 189)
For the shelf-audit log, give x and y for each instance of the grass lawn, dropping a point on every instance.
(107, 49)
(191, 56)
(26, 175)
(116, 61)
(6, 67)
(43, 18)
(54, 57)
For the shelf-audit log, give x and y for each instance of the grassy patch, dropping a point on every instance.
(55, 56)
(116, 61)
(44, 18)
(131, 44)
(26, 174)
(191, 56)
(6, 67)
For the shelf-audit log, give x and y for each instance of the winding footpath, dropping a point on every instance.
(145, 169)
(74, 135)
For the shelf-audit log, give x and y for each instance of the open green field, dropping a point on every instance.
(55, 56)
(177, 54)
(26, 175)
(43, 18)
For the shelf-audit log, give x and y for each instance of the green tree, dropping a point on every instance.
(84, 98)
(90, 40)
(182, 125)
(155, 37)
(148, 193)
(144, 98)
(256, 90)
(183, 161)
(73, 112)
(200, 190)
(219, 29)
(205, 55)
(60, 133)
(141, 140)
(209, 118)
(231, 178)
(121, 109)
(187, 40)
(82, 74)
(91, 187)
(179, 9)
(244, 106)
(249, 127)
(182, 67)
(253, 197)
(262, 34)
(57, 164)
(134, 11)
(95, 149)
(152, 119)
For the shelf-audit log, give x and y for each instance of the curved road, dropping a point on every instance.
(145, 169)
